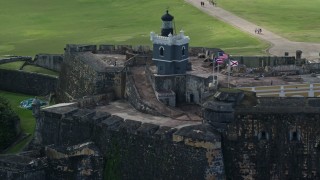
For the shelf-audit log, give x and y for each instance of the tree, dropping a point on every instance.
(9, 124)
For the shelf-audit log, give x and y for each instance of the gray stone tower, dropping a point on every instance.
(170, 51)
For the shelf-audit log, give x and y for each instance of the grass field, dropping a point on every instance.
(28, 68)
(12, 65)
(37, 26)
(294, 19)
(27, 121)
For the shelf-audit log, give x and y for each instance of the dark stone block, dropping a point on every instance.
(113, 123)
(165, 132)
(83, 114)
(100, 116)
(58, 112)
(314, 102)
(130, 126)
(147, 129)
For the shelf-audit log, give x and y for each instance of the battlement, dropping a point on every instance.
(72, 130)
(113, 123)
(178, 39)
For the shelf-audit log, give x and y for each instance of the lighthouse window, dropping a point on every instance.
(161, 51)
(183, 51)
(263, 135)
(294, 136)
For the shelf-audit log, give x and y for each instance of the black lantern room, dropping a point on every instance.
(167, 26)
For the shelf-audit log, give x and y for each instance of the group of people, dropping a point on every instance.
(213, 3)
(210, 2)
(258, 31)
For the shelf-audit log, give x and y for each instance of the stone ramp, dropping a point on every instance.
(148, 96)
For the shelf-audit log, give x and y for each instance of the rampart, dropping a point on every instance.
(273, 146)
(135, 149)
(27, 82)
(84, 73)
(49, 61)
(15, 59)
(270, 138)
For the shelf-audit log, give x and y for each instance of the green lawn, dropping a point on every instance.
(27, 121)
(12, 65)
(28, 68)
(294, 19)
(37, 26)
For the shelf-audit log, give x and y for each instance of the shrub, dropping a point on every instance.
(9, 124)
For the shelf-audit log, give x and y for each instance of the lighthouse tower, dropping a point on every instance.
(170, 51)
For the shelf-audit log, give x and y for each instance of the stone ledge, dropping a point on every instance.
(83, 114)
(100, 116)
(147, 129)
(165, 132)
(113, 123)
(59, 112)
(130, 126)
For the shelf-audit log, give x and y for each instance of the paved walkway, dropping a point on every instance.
(279, 46)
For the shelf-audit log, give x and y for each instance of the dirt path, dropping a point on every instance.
(279, 44)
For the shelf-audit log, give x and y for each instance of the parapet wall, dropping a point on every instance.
(49, 61)
(135, 149)
(27, 82)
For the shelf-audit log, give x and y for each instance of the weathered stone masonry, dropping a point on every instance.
(273, 138)
(139, 150)
(27, 82)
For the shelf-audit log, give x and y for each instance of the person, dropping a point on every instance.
(271, 83)
(260, 31)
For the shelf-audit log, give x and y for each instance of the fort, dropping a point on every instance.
(127, 112)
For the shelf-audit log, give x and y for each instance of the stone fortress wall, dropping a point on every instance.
(27, 82)
(273, 146)
(49, 61)
(135, 149)
(253, 142)
(273, 138)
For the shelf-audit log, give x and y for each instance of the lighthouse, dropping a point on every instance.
(170, 51)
